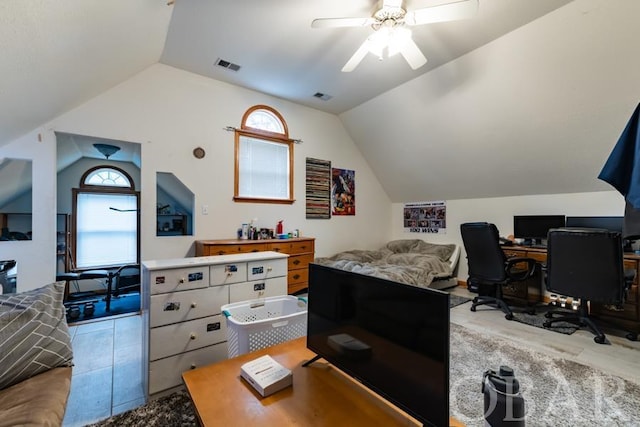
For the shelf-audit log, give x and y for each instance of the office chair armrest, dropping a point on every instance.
(516, 271)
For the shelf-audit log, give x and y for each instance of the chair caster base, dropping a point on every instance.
(632, 336)
(548, 315)
(508, 316)
(473, 308)
(546, 324)
(600, 339)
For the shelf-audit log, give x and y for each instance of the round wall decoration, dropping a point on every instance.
(198, 152)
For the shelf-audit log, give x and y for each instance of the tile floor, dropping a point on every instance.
(107, 372)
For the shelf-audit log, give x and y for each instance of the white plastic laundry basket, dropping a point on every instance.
(256, 324)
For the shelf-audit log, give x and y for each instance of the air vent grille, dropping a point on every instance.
(228, 65)
(322, 96)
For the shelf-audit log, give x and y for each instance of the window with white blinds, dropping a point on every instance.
(106, 229)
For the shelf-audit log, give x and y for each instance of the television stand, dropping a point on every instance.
(310, 361)
(320, 395)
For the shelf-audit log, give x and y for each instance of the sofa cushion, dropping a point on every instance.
(38, 401)
(34, 336)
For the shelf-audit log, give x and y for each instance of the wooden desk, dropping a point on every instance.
(321, 395)
(628, 318)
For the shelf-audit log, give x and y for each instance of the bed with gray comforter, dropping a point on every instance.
(413, 261)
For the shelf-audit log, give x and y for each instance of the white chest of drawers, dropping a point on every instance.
(183, 327)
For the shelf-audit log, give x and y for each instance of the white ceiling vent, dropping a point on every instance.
(322, 96)
(226, 64)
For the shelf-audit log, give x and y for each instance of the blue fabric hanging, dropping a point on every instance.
(622, 169)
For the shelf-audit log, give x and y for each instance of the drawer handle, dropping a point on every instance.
(220, 252)
(277, 249)
(296, 262)
(192, 336)
(255, 250)
(193, 305)
(296, 276)
(181, 281)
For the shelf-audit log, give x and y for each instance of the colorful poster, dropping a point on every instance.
(343, 194)
(425, 217)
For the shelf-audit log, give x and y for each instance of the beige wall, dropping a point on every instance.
(500, 211)
(170, 112)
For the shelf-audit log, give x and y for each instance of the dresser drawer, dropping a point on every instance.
(180, 306)
(236, 248)
(180, 337)
(258, 289)
(223, 274)
(299, 261)
(167, 373)
(178, 279)
(298, 276)
(265, 269)
(292, 247)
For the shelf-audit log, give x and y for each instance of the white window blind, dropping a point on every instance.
(106, 236)
(264, 169)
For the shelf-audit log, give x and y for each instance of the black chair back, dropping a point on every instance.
(485, 258)
(585, 263)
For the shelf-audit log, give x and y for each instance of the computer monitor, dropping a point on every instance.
(534, 228)
(611, 223)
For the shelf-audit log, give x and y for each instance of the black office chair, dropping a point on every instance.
(488, 265)
(585, 264)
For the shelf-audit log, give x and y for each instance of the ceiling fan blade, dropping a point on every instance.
(341, 22)
(412, 53)
(353, 62)
(443, 13)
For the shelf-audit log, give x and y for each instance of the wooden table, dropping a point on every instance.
(321, 395)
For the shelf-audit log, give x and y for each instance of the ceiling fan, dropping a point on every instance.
(390, 23)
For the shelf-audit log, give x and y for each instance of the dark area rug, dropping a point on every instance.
(538, 320)
(557, 392)
(173, 410)
(455, 300)
(123, 304)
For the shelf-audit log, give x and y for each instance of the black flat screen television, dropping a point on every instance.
(392, 337)
(534, 228)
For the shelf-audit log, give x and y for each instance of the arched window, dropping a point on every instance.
(264, 158)
(105, 219)
(107, 176)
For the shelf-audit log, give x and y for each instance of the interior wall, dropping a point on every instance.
(500, 211)
(36, 259)
(170, 112)
(69, 178)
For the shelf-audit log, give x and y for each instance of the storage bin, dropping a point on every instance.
(256, 324)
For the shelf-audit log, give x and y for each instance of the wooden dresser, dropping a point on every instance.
(300, 250)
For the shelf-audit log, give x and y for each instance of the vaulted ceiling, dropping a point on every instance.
(56, 55)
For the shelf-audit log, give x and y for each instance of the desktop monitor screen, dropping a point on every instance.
(611, 223)
(535, 227)
(392, 337)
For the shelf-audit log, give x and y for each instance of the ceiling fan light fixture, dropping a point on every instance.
(398, 40)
